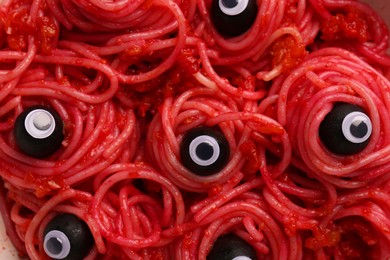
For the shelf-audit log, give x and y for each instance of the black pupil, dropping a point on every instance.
(230, 3)
(204, 151)
(54, 246)
(359, 129)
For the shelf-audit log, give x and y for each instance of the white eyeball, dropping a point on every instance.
(233, 7)
(204, 150)
(242, 258)
(40, 123)
(357, 127)
(39, 131)
(346, 129)
(67, 237)
(56, 244)
(232, 18)
(231, 247)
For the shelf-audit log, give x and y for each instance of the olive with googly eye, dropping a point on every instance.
(38, 131)
(204, 151)
(233, 17)
(231, 247)
(346, 129)
(67, 237)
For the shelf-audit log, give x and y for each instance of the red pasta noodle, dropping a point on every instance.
(287, 33)
(361, 220)
(27, 226)
(239, 210)
(173, 132)
(354, 25)
(290, 16)
(90, 146)
(334, 75)
(202, 107)
(127, 201)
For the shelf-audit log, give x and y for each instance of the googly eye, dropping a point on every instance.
(357, 127)
(231, 247)
(233, 17)
(56, 245)
(204, 151)
(67, 237)
(39, 131)
(233, 7)
(345, 130)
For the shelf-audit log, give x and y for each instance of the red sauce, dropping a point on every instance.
(287, 53)
(357, 239)
(249, 152)
(45, 185)
(188, 61)
(149, 95)
(2, 31)
(350, 26)
(323, 238)
(64, 80)
(46, 33)
(19, 26)
(290, 12)
(352, 238)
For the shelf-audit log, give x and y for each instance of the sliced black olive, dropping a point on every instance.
(39, 131)
(67, 237)
(345, 130)
(229, 247)
(233, 17)
(204, 151)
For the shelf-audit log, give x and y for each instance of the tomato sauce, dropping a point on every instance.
(287, 53)
(352, 26)
(249, 152)
(148, 96)
(19, 26)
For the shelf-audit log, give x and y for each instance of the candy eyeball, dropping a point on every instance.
(233, 17)
(231, 247)
(39, 131)
(346, 130)
(204, 151)
(56, 244)
(67, 237)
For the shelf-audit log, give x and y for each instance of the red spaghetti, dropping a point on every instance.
(349, 80)
(183, 129)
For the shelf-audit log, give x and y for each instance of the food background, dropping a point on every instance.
(8, 252)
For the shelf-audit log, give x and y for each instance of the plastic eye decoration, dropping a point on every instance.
(67, 237)
(231, 247)
(204, 151)
(233, 17)
(39, 131)
(346, 130)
